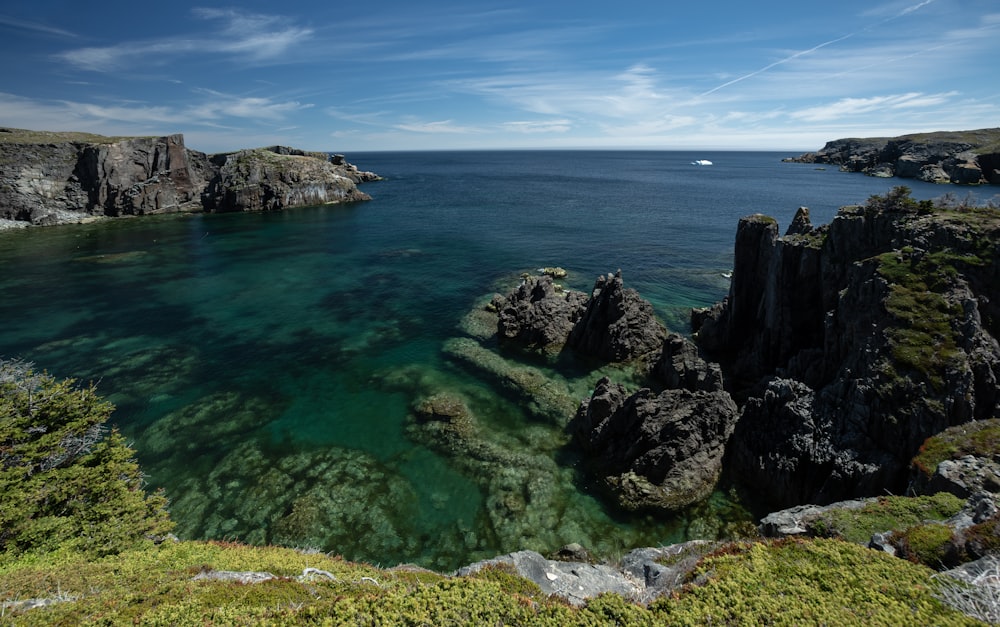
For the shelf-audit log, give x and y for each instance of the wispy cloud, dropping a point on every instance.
(535, 127)
(37, 27)
(245, 36)
(442, 126)
(849, 107)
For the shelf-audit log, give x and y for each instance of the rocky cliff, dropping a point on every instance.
(53, 178)
(852, 343)
(963, 157)
(839, 350)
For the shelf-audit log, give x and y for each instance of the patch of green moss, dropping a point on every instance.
(980, 438)
(885, 514)
(802, 582)
(922, 340)
(926, 544)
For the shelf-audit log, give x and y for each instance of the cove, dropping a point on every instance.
(266, 366)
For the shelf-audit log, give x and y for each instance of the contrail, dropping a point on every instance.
(906, 11)
(779, 62)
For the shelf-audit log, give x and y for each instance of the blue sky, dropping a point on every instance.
(442, 74)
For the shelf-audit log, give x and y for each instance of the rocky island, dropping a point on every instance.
(54, 178)
(961, 157)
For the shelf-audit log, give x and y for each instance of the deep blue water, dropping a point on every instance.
(265, 365)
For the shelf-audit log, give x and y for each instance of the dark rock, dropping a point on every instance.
(613, 324)
(618, 325)
(655, 451)
(537, 315)
(681, 367)
(819, 336)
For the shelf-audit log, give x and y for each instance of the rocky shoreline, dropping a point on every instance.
(840, 355)
(58, 178)
(962, 158)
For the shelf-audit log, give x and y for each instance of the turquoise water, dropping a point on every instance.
(266, 366)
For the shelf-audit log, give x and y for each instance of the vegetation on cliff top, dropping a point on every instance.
(24, 136)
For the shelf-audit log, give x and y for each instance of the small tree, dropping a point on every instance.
(64, 481)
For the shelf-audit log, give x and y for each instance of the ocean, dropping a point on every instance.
(266, 367)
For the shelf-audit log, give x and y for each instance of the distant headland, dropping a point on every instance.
(63, 177)
(960, 157)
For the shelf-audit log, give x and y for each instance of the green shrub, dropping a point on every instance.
(807, 582)
(64, 481)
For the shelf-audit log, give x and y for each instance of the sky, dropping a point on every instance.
(446, 74)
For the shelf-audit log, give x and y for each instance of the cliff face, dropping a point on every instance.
(965, 157)
(52, 178)
(852, 343)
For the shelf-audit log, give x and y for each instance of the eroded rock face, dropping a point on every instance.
(850, 344)
(537, 315)
(53, 178)
(60, 182)
(655, 451)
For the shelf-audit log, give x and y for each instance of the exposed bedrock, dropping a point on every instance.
(55, 178)
(655, 451)
(850, 344)
(612, 324)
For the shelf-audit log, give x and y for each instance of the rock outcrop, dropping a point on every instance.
(54, 178)
(642, 575)
(850, 344)
(613, 324)
(650, 451)
(277, 178)
(965, 157)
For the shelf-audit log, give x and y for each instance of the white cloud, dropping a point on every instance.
(530, 128)
(850, 107)
(244, 36)
(443, 126)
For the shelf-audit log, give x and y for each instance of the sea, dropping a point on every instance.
(267, 367)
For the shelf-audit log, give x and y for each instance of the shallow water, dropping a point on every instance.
(265, 366)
